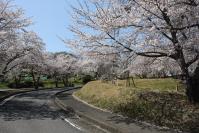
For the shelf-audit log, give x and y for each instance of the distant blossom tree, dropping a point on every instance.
(60, 66)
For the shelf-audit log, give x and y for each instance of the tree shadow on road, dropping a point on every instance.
(33, 107)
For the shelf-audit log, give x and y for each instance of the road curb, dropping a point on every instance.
(140, 122)
(102, 124)
(18, 93)
(90, 105)
(67, 108)
(13, 94)
(73, 88)
(104, 110)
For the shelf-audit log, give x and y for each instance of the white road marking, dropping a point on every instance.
(101, 129)
(72, 124)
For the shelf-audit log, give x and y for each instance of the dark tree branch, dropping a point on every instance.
(152, 54)
(159, 29)
(121, 44)
(187, 27)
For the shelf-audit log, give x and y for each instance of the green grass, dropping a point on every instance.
(47, 83)
(96, 90)
(51, 84)
(3, 86)
(162, 105)
(167, 84)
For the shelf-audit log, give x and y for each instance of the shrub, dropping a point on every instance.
(87, 78)
(25, 84)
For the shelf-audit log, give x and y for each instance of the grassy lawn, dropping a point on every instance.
(27, 82)
(51, 84)
(3, 86)
(153, 100)
(167, 84)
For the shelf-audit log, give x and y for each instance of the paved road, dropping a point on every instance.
(35, 112)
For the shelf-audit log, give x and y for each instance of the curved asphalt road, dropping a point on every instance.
(35, 112)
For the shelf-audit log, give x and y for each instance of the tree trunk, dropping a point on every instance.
(195, 86)
(191, 82)
(2, 78)
(128, 84)
(188, 82)
(35, 81)
(133, 81)
(189, 89)
(16, 82)
(56, 83)
(65, 81)
(33, 78)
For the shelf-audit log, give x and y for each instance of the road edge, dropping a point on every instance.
(105, 126)
(85, 117)
(90, 105)
(18, 93)
(67, 108)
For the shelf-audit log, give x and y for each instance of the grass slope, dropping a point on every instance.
(154, 100)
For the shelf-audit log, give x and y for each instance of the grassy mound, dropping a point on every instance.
(161, 106)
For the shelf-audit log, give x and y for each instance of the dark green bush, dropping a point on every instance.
(87, 78)
(25, 84)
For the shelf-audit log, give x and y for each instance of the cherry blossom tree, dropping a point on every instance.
(152, 28)
(16, 74)
(24, 56)
(145, 67)
(33, 61)
(60, 66)
(12, 24)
